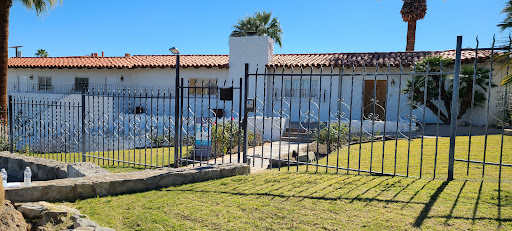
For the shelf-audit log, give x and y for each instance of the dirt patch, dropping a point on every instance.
(10, 218)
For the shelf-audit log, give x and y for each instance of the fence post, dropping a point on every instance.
(83, 127)
(454, 109)
(177, 118)
(11, 124)
(246, 113)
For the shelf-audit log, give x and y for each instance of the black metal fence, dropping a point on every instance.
(119, 126)
(435, 119)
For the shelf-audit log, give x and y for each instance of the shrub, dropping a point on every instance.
(226, 136)
(158, 140)
(4, 143)
(333, 135)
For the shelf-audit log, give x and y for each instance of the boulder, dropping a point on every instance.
(11, 219)
(31, 210)
(83, 222)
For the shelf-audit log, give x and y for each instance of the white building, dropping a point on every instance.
(60, 77)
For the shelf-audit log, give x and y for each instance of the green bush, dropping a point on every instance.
(333, 134)
(159, 140)
(4, 143)
(226, 136)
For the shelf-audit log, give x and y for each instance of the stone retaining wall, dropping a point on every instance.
(71, 189)
(44, 169)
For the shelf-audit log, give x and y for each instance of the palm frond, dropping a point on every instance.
(262, 23)
(39, 6)
(507, 22)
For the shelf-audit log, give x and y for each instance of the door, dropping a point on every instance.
(379, 94)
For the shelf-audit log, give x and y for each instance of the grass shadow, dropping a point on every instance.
(428, 206)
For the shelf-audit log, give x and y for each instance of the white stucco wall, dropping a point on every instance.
(396, 102)
(258, 51)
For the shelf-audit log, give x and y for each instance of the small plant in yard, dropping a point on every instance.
(158, 140)
(335, 134)
(226, 136)
(4, 144)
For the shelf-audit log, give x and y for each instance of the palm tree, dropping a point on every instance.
(40, 6)
(441, 85)
(261, 23)
(506, 24)
(41, 53)
(412, 11)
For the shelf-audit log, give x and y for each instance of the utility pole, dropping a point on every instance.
(16, 47)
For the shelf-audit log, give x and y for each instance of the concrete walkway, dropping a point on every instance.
(272, 150)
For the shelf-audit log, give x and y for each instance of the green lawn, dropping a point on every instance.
(341, 159)
(307, 201)
(150, 156)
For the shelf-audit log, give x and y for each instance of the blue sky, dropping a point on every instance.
(80, 27)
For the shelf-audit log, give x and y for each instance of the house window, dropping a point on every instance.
(44, 83)
(81, 83)
(202, 86)
(304, 88)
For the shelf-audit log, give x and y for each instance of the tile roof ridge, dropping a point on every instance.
(183, 55)
(378, 52)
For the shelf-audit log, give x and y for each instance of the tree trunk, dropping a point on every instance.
(411, 35)
(5, 6)
(433, 107)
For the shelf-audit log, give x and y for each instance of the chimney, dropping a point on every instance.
(102, 54)
(257, 51)
(19, 54)
(126, 55)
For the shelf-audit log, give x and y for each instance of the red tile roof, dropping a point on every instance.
(368, 59)
(221, 61)
(137, 61)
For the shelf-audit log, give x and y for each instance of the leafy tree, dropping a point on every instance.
(261, 23)
(412, 11)
(40, 6)
(443, 85)
(41, 53)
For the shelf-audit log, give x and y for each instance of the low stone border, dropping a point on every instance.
(71, 189)
(44, 169)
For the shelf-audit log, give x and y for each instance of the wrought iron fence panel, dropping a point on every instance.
(382, 119)
(433, 119)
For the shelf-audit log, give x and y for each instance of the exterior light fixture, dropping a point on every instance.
(177, 123)
(174, 50)
(122, 78)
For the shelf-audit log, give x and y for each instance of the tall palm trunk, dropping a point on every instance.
(411, 35)
(5, 6)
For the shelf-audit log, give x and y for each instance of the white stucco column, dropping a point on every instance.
(258, 52)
